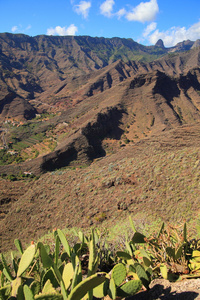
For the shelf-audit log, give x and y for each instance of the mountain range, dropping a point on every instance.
(95, 86)
(83, 102)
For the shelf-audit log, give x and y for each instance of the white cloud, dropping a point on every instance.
(28, 27)
(121, 13)
(14, 28)
(83, 8)
(144, 12)
(71, 30)
(175, 35)
(151, 27)
(106, 8)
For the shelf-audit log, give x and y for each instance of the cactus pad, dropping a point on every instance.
(119, 274)
(86, 285)
(130, 288)
(142, 275)
(26, 259)
(101, 290)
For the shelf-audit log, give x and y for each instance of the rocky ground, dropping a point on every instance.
(161, 289)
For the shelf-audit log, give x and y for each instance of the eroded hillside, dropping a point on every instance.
(131, 110)
(155, 179)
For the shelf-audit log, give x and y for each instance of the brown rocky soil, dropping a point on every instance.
(161, 289)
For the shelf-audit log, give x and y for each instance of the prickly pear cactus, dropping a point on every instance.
(171, 252)
(18, 245)
(112, 292)
(142, 275)
(26, 259)
(119, 274)
(50, 274)
(48, 292)
(64, 242)
(164, 271)
(46, 260)
(130, 288)
(138, 238)
(28, 293)
(123, 255)
(101, 290)
(86, 285)
(67, 275)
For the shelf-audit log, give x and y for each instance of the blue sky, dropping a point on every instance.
(144, 21)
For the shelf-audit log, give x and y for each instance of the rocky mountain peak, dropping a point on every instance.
(196, 44)
(160, 44)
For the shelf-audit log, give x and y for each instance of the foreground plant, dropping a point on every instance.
(73, 273)
(168, 253)
(39, 274)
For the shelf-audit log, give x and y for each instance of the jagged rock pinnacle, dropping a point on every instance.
(160, 44)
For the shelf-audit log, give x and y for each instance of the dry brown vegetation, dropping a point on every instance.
(153, 180)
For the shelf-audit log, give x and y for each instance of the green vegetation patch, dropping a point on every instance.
(9, 157)
(89, 267)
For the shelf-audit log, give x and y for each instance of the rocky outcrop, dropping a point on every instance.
(182, 46)
(196, 44)
(160, 44)
(15, 107)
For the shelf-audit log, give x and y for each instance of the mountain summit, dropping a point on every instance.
(160, 44)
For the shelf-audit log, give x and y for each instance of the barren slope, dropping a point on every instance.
(130, 110)
(153, 180)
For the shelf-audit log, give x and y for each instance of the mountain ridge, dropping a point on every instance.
(102, 135)
(147, 104)
(52, 74)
